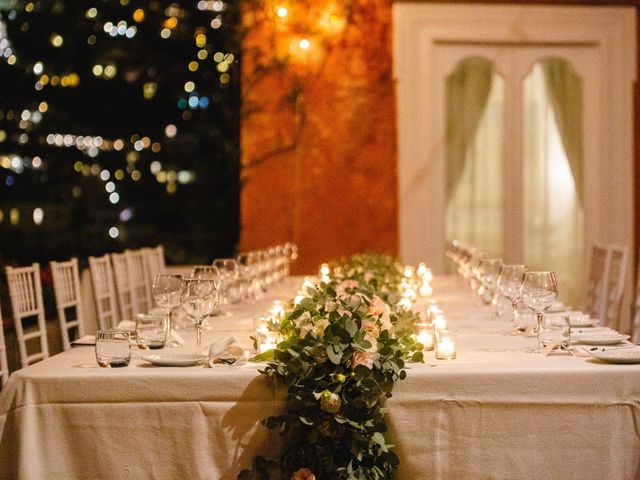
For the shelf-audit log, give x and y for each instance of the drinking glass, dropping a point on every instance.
(198, 298)
(247, 268)
(509, 281)
(151, 331)
(539, 290)
(112, 348)
(166, 293)
(228, 268)
(488, 272)
(211, 272)
(556, 332)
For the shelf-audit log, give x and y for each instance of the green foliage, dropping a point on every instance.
(345, 345)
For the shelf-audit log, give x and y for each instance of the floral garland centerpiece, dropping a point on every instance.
(345, 344)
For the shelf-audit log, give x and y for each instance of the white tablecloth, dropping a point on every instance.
(495, 412)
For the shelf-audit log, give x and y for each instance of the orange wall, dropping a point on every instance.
(319, 167)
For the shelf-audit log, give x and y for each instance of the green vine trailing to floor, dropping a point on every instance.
(345, 345)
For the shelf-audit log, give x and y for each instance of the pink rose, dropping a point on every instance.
(371, 329)
(303, 474)
(363, 358)
(343, 312)
(381, 310)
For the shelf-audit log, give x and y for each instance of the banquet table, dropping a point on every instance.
(498, 411)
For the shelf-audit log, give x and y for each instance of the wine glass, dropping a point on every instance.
(488, 271)
(166, 293)
(509, 281)
(199, 297)
(228, 268)
(211, 272)
(247, 268)
(539, 290)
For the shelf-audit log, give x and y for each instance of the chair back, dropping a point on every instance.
(66, 287)
(4, 364)
(154, 259)
(596, 281)
(616, 272)
(104, 293)
(123, 285)
(141, 301)
(25, 292)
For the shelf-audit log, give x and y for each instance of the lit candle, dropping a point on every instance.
(277, 311)
(424, 335)
(325, 270)
(422, 268)
(439, 322)
(408, 271)
(425, 289)
(432, 310)
(405, 303)
(268, 341)
(445, 346)
(298, 299)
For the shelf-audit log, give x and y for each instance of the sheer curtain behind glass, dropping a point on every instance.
(475, 104)
(553, 217)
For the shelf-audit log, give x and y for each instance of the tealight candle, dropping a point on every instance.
(422, 268)
(267, 341)
(432, 312)
(425, 289)
(405, 303)
(325, 270)
(424, 335)
(445, 345)
(408, 271)
(439, 322)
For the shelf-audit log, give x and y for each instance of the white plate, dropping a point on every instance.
(620, 355)
(557, 307)
(602, 338)
(175, 360)
(576, 320)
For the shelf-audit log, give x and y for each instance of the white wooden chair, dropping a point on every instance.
(104, 293)
(615, 275)
(123, 286)
(25, 292)
(4, 364)
(141, 300)
(66, 287)
(154, 258)
(596, 281)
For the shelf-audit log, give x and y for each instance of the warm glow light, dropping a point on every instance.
(282, 12)
(138, 15)
(305, 44)
(56, 40)
(38, 216)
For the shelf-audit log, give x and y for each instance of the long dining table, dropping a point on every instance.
(498, 411)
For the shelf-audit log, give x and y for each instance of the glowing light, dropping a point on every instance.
(225, 78)
(114, 232)
(193, 66)
(119, 175)
(223, 67)
(282, 12)
(304, 44)
(38, 68)
(14, 216)
(3, 136)
(202, 54)
(138, 15)
(43, 107)
(78, 166)
(170, 130)
(76, 192)
(186, 176)
(216, 22)
(56, 40)
(118, 145)
(110, 187)
(38, 216)
(110, 71)
(1, 216)
(218, 6)
(201, 40)
(218, 57)
(9, 181)
(193, 102)
(155, 167)
(125, 215)
(92, 12)
(97, 70)
(104, 175)
(165, 33)
(114, 198)
(131, 32)
(36, 162)
(91, 40)
(136, 175)
(204, 102)
(29, 7)
(171, 23)
(156, 147)
(189, 87)
(11, 60)
(44, 79)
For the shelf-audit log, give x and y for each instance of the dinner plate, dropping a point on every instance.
(620, 355)
(576, 320)
(175, 360)
(599, 338)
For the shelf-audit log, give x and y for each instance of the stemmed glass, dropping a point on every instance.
(489, 269)
(166, 293)
(247, 268)
(211, 272)
(229, 273)
(539, 290)
(198, 298)
(509, 281)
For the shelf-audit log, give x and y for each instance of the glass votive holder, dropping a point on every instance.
(555, 334)
(151, 331)
(113, 348)
(424, 334)
(445, 348)
(431, 312)
(266, 340)
(439, 322)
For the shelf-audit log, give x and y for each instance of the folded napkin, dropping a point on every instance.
(227, 351)
(127, 325)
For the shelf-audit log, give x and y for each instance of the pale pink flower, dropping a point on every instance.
(341, 310)
(303, 474)
(371, 329)
(368, 276)
(382, 311)
(363, 358)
